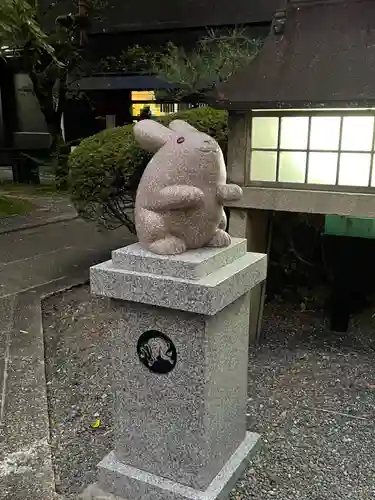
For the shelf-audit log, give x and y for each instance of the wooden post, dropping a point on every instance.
(83, 12)
(238, 147)
(255, 226)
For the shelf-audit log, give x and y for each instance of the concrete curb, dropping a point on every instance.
(26, 467)
(47, 222)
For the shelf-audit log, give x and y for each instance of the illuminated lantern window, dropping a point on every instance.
(313, 147)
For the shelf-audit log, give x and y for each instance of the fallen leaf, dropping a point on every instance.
(96, 424)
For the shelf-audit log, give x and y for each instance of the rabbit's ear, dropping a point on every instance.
(152, 135)
(182, 127)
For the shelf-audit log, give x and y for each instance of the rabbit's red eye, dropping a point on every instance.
(180, 140)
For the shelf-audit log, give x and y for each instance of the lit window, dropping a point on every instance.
(357, 133)
(325, 133)
(322, 168)
(354, 169)
(330, 148)
(292, 166)
(263, 166)
(294, 132)
(265, 132)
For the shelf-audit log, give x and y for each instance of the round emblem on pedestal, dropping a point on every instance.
(157, 352)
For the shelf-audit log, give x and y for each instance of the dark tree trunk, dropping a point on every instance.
(53, 114)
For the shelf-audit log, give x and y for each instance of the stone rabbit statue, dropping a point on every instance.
(179, 202)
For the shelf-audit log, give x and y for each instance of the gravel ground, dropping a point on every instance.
(311, 396)
(77, 367)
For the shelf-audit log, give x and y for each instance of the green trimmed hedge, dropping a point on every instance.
(105, 169)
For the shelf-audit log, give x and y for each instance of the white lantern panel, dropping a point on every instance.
(264, 133)
(322, 168)
(354, 169)
(357, 133)
(263, 166)
(294, 132)
(325, 133)
(292, 166)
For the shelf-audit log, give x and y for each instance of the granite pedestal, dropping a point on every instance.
(180, 353)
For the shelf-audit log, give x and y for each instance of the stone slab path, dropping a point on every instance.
(48, 210)
(35, 262)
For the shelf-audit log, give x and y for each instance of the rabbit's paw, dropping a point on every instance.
(221, 239)
(169, 245)
(229, 192)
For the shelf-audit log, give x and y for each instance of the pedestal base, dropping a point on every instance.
(129, 483)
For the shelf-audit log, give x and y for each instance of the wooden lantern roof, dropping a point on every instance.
(318, 54)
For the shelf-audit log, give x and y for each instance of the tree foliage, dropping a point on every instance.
(46, 57)
(191, 72)
(49, 58)
(195, 72)
(20, 27)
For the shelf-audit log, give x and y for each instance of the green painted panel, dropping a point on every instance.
(349, 226)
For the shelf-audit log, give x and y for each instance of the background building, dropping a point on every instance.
(114, 99)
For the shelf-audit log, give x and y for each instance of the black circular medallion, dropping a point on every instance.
(157, 352)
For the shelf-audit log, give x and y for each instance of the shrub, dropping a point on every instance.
(105, 169)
